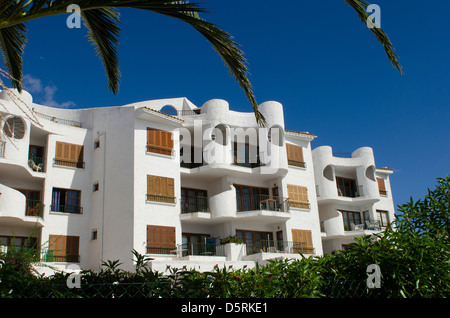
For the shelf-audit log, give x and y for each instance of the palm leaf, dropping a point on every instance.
(103, 32)
(360, 6)
(12, 43)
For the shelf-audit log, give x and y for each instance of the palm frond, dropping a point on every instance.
(360, 6)
(103, 33)
(12, 43)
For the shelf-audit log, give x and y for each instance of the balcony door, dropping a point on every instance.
(346, 187)
(250, 198)
(256, 241)
(193, 200)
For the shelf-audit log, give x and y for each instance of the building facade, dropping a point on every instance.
(171, 180)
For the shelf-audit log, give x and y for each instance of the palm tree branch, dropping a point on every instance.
(12, 43)
(103, 34)
(360, 6)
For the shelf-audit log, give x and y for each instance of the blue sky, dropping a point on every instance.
(315, 57)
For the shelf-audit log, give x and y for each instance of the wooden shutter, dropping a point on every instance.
(159, 141)
(295, 155)
(160, 189)
(381, 186)
(64, 248)
(302, 240)
(160, 239)
(69, 154)
(57, 244)
(298, 196)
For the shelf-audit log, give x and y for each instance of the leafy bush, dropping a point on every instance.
(413, 254)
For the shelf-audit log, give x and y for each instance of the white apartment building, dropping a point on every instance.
(170, 180)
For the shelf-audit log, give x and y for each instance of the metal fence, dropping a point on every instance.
(164, 289)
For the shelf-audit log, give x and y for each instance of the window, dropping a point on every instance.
(95, 187)
(14, 127)
(69, 155)
(160, 189)
(351, 219)
(250, 198)
(256, 241)
(193, 200)
(68, 201)
(160, 239)
(298, 196)
(63, 248)
(96, 143)
(295, 156)
(346, 187)
(302, 241)
(381, 186)
(159, 141)
(383, 216)
(93, 235)
(17, 242)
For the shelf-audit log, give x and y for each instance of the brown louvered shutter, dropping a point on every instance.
(302, 240)
(151, 188)
(298, 196)
(295, 155)
(159, 141)
(381, 186)
(59, 150)
(160, 239)
(72, 248)
(160, 189)
(57, 244)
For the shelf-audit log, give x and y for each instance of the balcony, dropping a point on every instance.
(34, 208)
(261, 202)
(194, 204)
(74, 209)
(37, 163)
(66, 122)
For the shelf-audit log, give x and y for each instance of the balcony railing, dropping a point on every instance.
(261, 202)
(373, 225)
(268, 246)
(299, 204)
(36, 163)
(159, 150)
(160, 249)
(194, 204)
(66, 122)
(66, 208)
(45, 255)
(160, 198)
(34, 208)
(68, 163)
(296, 163)
(351, 192)
(191, 165)
(2, 148)
(189, 112)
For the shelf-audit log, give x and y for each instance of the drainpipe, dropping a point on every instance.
(103, 192)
